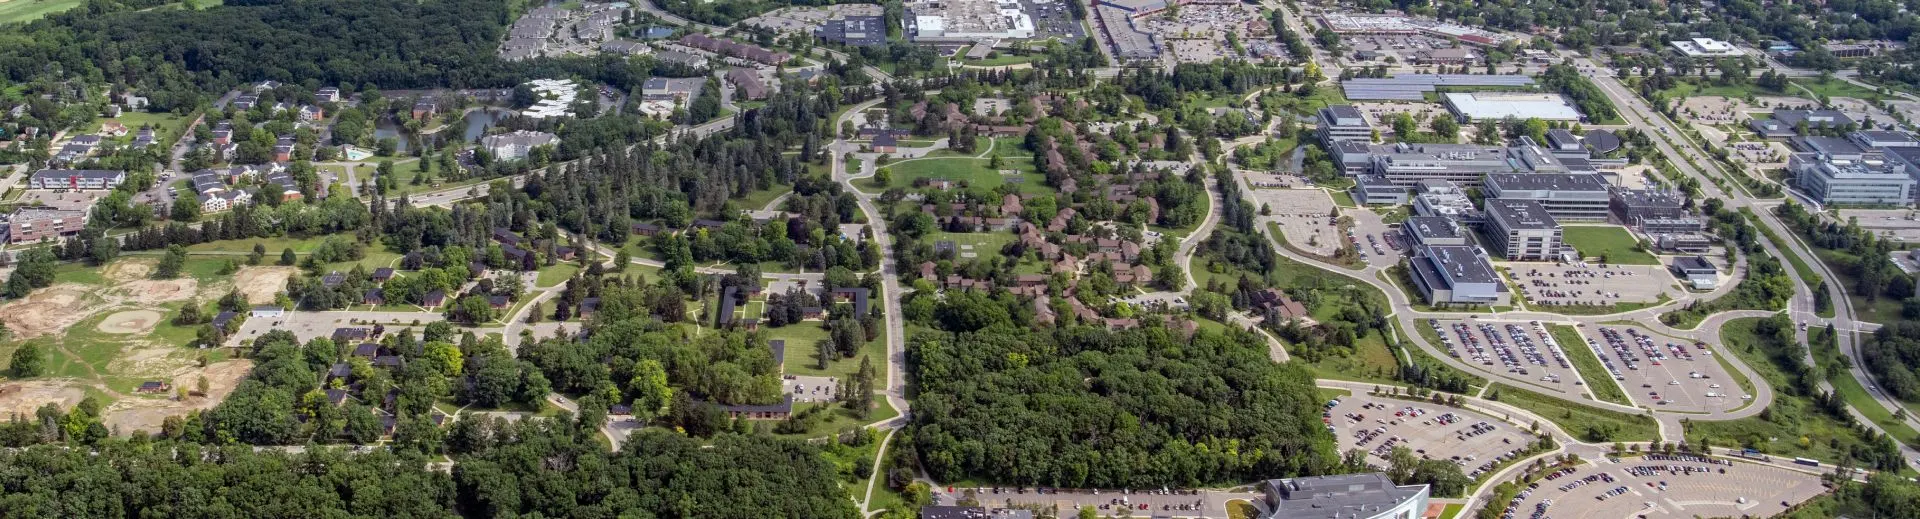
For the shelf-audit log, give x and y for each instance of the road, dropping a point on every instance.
(1668, 138)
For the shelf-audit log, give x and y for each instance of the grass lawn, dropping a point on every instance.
(16, 11)
(1793, 425)
(1599, 381)
(1330, 393)
(802, 354)
(1343, 199)
(165, 124)
(273, 245)
(1849, 389)
(1452, 510)
(556, 274)
(983, 243)
(760, 199)
(78, 273)
(1836, 88)
(1242, 509)
(1611, 242)
(1579, 420)
(973, 172)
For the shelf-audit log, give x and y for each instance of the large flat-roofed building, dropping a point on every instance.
(1463, 164)
(32, 224)
(1631, 206)
(1456, 274)
(1523, 230)
(1812, 118)
(1869, 180)
(1434, 230)
(1699, 274)
(1344, 123)
(76, 179)
(1349, 496)
(854, 30)
(1706, 48)
(1442, 198)
(1834, 147)
(1494, 106)
(1355, 158)
(1883, 139)
(1129, 43)
(1566, 196)
(1344, 23)
(1377, 190)
(966, 20)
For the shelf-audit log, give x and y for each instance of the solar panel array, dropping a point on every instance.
(1413, 87)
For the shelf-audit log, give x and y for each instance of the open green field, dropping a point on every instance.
(164, 123)
(982, 244)
(1836, 88)
(1452, 510)
(556, 274)
(1581, 421)
(16, 11)
(1793, 425)
(973, 172)
(1591, 370)
(1849, 389)
(1607, 241)
(802, 354)
(273, 245)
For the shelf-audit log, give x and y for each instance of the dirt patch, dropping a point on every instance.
(147, 413)
(130, 269)
(45, 311)
(261, 284)
(154, 291)
(151, 362)
(22, 398)
(133, 321)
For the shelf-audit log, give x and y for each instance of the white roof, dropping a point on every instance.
(1497, 105)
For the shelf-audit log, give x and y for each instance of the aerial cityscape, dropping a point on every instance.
(960, 259)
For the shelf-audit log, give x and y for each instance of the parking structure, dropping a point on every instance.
(1589, 284)
(1664, 485)
(1664, 372)
(1522, 351)
(1376, 425)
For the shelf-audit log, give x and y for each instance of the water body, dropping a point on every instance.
(472, 127)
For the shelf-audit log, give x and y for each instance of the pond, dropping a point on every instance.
(475, 124)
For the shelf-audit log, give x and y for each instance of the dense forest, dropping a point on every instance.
(536, 467)
(1084, 407)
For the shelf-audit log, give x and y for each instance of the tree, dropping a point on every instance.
(171, 264)
(649, 390)
(883, 177)
(287, 257)
(27, 361)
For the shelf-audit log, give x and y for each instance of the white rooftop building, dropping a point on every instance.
(1707, 47)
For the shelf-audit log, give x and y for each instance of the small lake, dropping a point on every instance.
(475, 124)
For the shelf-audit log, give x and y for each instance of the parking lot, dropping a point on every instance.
(1051, 20)
(1518, 350)
(1658, 485)
(1302, 215)
(1403, 48)
(1663, 372)
(1593, 284)
(1108, 502)
(810, 388)
(62, 198)
(1377, 425)
(1900, 224)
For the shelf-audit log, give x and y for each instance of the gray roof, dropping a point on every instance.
(1548, 181)
(1827, 145)
(1520, 214)
(1343, 496)
(1685, 263)
(1635, 198)
(1812, 117)
(1413, 87)
(1432, 226)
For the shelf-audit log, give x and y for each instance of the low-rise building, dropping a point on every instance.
(1349, 496)
(855, 30)
(1434, 230)
(1566, 196)
(32, 224)
(518, 144)
(1869, 180)
(1377, 190)
(76, 179)
(1696, 271)
(1522, 230)
(1631, 206)
(1456, 274)
(1443, 198)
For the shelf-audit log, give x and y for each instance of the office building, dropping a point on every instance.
(1813, 118)
(1456, 274)
(1442, 198)
(1494, 106)
(1522, 230)
(1696, 271)
(1868, 180)
(1630, 206)
(1463, 164)
(854, 30)
(32, 224)
(1434, 230)
(1377, 190)
(1870, 139)
(1566, 196)
(966, 20)
(516, 145)
(1706, 48)
(1344, 123)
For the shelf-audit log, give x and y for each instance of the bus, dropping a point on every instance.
(1807, 462)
